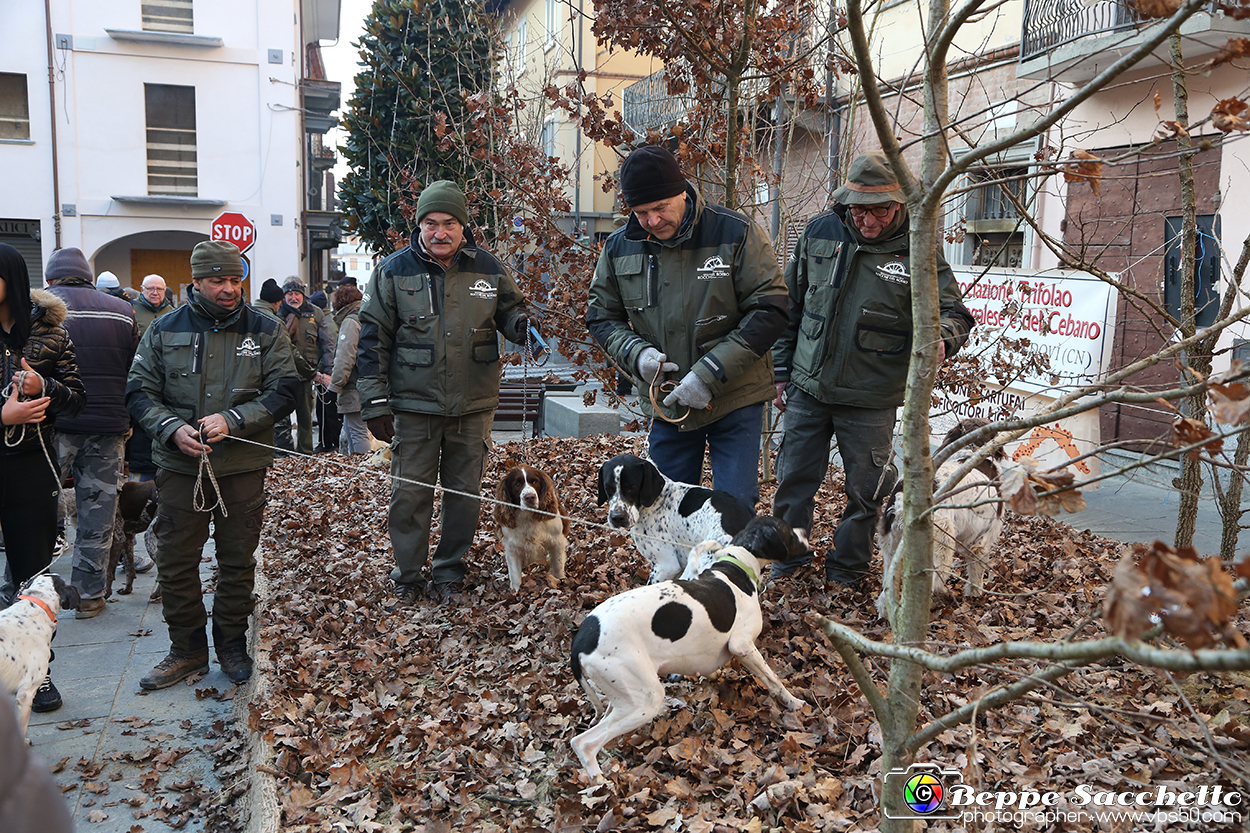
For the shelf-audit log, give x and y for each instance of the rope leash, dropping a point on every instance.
(483, 498)
(664, 387)
(198, 501)
(14, 435)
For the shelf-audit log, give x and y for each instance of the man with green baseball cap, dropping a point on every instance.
(428, 376)
(841, 366)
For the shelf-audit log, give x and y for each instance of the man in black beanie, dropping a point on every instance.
(689, 295)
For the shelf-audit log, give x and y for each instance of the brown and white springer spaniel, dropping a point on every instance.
(531, 537)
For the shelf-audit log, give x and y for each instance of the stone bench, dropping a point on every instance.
(565, 415)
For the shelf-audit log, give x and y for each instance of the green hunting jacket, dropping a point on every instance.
(711, 298)
(850, 334)
(429, 338)
(200, 360)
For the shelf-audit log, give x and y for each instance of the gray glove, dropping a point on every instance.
(651, 362)
(691, 392)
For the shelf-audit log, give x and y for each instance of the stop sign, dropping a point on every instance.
(233, 227)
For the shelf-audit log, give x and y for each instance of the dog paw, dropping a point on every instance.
(794, 704)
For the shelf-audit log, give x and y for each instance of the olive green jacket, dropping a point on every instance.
(711, 298)
(850, 334)
(429, 338)
(191, 364)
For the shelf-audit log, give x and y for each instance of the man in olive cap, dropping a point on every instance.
(689, 295)
(211, 371)
(842, 363)
(428, 365)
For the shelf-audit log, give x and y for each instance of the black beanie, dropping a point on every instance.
(270, 291)
(649, 174)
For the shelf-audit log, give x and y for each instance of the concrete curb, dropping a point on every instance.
(261, 798)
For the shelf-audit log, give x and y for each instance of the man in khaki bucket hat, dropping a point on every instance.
(842, 363)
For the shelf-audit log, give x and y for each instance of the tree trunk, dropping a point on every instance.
(1190, 481)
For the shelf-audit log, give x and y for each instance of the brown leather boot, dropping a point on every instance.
(174, 668)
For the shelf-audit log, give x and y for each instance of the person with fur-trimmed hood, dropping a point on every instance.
(39, 376)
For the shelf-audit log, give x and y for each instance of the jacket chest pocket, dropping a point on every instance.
(182, 371)
(414, 300)
(632, 275)
(823, 260)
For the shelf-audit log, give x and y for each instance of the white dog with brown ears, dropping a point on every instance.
(530, 524)
(26, 630)
(971, 528)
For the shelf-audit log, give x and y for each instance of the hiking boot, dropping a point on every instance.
(47, 698)
(175, 667)
(89, 608)
(405, 595)
(235, 663)
(446, 591)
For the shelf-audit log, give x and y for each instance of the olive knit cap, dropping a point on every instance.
(294, 284)
(446, 197)
(870, 181)
(650, 174)
(216, 257)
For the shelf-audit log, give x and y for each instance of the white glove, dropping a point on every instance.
(691, 392)
(652, 362)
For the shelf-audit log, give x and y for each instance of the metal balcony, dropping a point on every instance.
(1073, 40)
(1049, 24)
(648, 105)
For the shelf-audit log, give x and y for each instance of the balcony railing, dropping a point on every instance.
(1051, 23)
(648, 105)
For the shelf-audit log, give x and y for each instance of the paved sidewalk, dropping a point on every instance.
(128, 758)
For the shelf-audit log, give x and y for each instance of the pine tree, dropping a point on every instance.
(420, 60)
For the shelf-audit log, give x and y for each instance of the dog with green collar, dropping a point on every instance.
(687, 626)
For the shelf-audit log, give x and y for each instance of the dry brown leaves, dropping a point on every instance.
(1026, 486)
(1191, 597)
(1086, 167)
(459, 718)
(1155, 8)
(1187, 431)
(1227, 116)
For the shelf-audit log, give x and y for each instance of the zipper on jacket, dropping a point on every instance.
(839, 258)
(195, 354)
(653, 279)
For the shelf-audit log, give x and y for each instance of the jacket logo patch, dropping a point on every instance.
(248, 349)
(482, 289)
(894, 272)
(714, 268)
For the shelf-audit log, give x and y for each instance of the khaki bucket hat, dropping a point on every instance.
(870, 181)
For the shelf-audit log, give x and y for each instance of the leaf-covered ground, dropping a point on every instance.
(442, 718)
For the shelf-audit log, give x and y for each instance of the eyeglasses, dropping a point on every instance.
(878, 211)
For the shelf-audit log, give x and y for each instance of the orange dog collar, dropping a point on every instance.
(42, 604)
